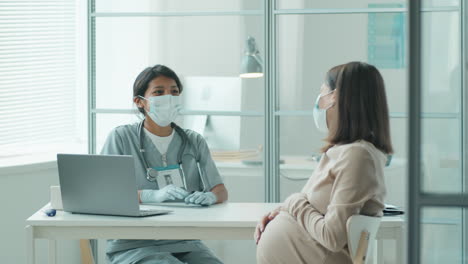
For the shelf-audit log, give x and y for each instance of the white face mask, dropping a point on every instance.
(164, 109)
(320, 115)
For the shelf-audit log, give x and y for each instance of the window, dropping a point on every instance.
(42, 81)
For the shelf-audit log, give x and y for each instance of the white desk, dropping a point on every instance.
(230, 221)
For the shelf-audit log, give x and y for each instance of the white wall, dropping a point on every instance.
(23, 192)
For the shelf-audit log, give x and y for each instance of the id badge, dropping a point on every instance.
(169, 175)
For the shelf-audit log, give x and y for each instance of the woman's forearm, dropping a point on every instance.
(328, 231)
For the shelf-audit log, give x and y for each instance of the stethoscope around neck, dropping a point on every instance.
(152, 174)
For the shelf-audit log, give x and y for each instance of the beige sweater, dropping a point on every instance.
(312, 226)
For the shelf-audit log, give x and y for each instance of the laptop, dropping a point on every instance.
(101, 184)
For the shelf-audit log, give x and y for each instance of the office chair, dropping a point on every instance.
(361, 235)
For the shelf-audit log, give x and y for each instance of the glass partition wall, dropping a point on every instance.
(204, 43)
(437, 134)
(261, 130)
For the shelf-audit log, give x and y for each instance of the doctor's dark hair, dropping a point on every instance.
(147, 75)
(361, 106)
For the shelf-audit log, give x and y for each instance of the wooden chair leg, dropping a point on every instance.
(361, 251)
(86, 252)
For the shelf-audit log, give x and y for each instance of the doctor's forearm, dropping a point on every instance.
(222, 196)
(221, 193)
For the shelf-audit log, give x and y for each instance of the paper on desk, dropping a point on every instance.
(56, 198)
(391, 206)
(392, 210)
(173, 204)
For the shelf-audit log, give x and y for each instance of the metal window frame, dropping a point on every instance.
(271, 147)
(184, 112)
(414, 249)
(91, 77)
(335, 11)
(179, 14)
(464, 110)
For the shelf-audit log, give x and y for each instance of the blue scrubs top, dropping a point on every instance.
(124, 140)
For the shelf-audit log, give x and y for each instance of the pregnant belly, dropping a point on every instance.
(282, 227)
(284, 240)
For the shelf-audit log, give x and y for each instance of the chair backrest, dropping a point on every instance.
(361, 235)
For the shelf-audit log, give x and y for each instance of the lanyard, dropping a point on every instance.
(152, 173)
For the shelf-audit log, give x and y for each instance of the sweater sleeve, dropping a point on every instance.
(355, 182)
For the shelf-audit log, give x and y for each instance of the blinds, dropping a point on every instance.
(38, 76)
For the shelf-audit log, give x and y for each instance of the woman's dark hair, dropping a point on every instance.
(332, 76)
(147, 75)
(362, 106)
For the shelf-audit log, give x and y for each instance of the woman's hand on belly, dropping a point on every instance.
(264, 222)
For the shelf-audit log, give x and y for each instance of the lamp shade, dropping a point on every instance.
(251, 64)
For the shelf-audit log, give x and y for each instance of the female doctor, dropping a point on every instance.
(160, 145)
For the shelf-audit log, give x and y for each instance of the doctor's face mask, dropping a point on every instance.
(163, 109)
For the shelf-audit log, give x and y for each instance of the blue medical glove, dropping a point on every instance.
(169, 192)
(202, 198)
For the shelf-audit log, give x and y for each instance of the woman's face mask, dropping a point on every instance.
(163, 109)
(320, 112)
